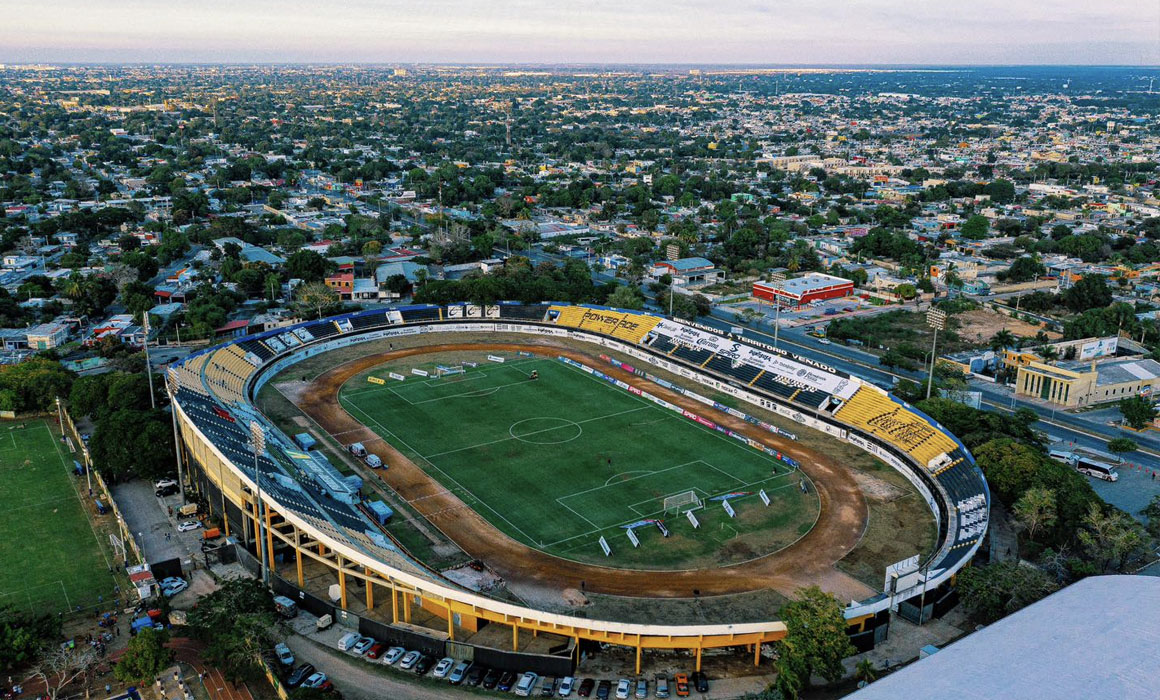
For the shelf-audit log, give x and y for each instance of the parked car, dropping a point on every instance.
(700, 682)
(586, 687)
(164, 483)
(681, 681)
(525, 685)
(285, 656)
(363, 645)
(475, 676)
(299, 675)
(166, 491)
(172, 586)
(459, 673)
(506, 680)
(567, 685)
(548, 689)
(315, 680)
(376, 650)
(641, 688)
(491, 679)
(662, 685)
(603, 689)
(443, 667)
(393, 654)
(409, 660)
(348, 640)
(623, 688)
(188, 526)
(424, 664)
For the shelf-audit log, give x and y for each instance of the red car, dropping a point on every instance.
(586, 687)
(376, 650)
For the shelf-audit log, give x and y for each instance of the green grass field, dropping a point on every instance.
(560, 461)
(50, 558)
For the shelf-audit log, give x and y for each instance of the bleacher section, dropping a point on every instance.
(624, 325)
(872, 410)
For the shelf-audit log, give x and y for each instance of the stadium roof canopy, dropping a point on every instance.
(1097, 638)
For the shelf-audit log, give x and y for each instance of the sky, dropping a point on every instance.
(586, 31)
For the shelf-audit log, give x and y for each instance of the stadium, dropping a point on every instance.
(572, 454)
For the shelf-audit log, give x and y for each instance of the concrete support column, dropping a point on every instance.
(638, 654)
(407, 607)
(270, 541)
(757, 654)
(342, 581)
(370, 590)
(394, 604)
(515, 638)
(698, 668)
(450, 624)
(298, 556)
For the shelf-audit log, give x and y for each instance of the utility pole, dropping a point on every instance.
(936, 319)
(258, 445)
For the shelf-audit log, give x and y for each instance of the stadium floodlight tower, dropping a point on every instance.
(171, 383)
(936, 319)
(777, 279)
(258, 445)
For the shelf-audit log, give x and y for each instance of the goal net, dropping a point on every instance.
(681, 502)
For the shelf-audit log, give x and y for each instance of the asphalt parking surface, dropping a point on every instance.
(148, 518)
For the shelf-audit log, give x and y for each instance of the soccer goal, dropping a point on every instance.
(681, 502)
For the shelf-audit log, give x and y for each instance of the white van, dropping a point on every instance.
(373, 461)
(526, 685)
(348, 640)
(357, 449)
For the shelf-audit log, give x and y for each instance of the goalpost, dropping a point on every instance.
(681, 502)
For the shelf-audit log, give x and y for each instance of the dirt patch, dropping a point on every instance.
(808, 561)
(978, 325)
(877, 489)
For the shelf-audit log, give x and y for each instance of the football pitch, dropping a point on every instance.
(51, 560)
(561, 460)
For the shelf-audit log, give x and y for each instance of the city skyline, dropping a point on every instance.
(891, 32)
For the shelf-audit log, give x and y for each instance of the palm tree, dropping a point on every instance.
(865, 672)
(1003, 339)
(1049, 353)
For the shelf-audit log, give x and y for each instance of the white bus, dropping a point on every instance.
(1089, 466)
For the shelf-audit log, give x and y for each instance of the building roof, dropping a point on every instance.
(810, 283)
(686, 264)
(1094, 639)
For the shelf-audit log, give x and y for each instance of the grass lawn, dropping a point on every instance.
(562, 460)
(51, 560)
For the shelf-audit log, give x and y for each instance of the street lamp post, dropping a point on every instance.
(148, 364)
(258, 445)
(171, 385)
(936, 319)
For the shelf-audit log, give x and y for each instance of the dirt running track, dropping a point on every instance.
(808, 561)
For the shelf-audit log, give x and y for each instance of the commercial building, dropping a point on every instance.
(688, 270)
(47, 336)
(799, 291)
(1072, 384)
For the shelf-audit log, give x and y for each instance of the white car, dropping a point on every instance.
(188, 525)
(164, 483)
(823, 341)
(363, 645)
(443, 667)
(623, 688)
(315, 680)
(393, 654)
(409, 660)
(172, 586)
(567, 685)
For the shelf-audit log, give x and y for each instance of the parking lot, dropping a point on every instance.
(149, 519)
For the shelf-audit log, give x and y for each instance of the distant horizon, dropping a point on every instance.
(827, 33)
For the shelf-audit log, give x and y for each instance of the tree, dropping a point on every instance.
(1024, 269)
(1035, 509)
(1001, 191)
(626, 297)
(1109, 537)
(307, 265)
(1122, 445)
(906, 291)
(316, 296)
(976, 227)
(1002, 340)
(1091, 292)
(371, 249)
(815, 642)
(1137, 411)
(130, 442)
(237, 623)
(145, 657)
(60, 665)
(865, 671)
(996, 590)
(22, 637)
(1152, 513)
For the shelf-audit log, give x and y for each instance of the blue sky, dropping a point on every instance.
(592, 31)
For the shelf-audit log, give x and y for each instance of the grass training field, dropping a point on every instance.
(50, 558)
(559, 461)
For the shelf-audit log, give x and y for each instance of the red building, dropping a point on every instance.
(799, 291)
